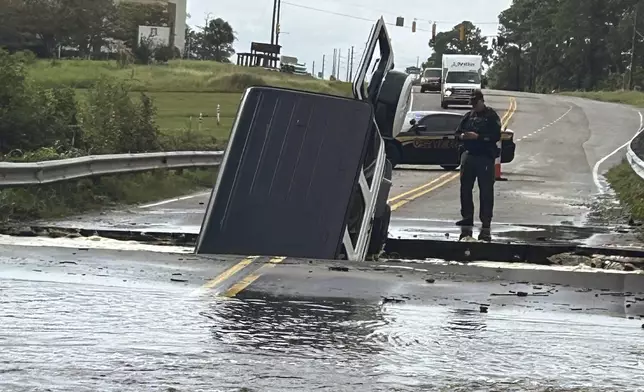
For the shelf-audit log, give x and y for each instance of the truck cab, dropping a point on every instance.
(461, 74)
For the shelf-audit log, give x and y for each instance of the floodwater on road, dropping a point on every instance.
(57, 336)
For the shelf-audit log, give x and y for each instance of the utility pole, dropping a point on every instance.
(334, 62)
(313, 71)
(337, 76)
(273, 22)
(277, 24)
(348, 60)
(351, 71)
(323, 62)
(417, 61)
(630, 71)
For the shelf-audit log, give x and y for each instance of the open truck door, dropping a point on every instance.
(305, 174)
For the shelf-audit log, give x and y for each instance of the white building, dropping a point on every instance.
(179, 13)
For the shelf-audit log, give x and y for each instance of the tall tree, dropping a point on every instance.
(93, 22)
(449, 42)
(546, 48)
(132, 15)
(216, 41)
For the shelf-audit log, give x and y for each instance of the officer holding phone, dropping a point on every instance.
(479, 132)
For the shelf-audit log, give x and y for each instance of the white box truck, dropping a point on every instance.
(461, 75)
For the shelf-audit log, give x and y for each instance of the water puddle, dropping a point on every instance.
(84, 338)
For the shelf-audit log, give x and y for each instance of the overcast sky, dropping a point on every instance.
(311, 29)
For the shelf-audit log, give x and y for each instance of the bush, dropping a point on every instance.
(113, 124)
(166, 53)
(32, 117)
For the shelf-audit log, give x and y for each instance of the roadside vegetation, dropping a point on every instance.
(629, 188)
(62, 96)
(635, 98)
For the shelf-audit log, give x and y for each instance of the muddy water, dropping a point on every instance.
(72, 337)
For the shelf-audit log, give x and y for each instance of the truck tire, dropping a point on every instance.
(393, 153)
(379, 232)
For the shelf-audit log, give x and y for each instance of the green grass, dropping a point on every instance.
(73, 197)
(181, 91)
(177, 76)
(635, 98)
(629, 188)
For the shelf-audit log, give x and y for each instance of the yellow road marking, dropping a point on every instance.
(247, 281)
(420, 191)
(417, 188)
(417, 195)
(229, 273)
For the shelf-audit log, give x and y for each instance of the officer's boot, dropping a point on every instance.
(485, 234)
(466, 232)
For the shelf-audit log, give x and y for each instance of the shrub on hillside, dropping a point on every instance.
(165, 53)
(113, 123)
(32, 117)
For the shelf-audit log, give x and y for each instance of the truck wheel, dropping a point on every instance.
(449, 167)
(393, 154)
(379, 232)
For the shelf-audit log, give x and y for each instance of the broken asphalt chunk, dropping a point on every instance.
(339, 268)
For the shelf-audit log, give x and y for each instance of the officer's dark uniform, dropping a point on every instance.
(477, 162)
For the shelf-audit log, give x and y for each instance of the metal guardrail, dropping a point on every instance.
(47, 172)
(636, 162)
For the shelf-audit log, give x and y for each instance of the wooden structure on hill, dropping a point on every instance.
(260, 55)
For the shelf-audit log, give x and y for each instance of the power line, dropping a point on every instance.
(371, 20)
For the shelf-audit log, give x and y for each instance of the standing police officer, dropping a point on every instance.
(479, 131)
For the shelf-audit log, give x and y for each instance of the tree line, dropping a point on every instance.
(570, 45)
(99, 29)
(546, 45)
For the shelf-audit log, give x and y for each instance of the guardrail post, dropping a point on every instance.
(218, 115)
(200, 120)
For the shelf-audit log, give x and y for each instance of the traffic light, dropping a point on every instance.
(500, 42)
(400, 21)
(413, 26)
(433, 32)
(462, 32)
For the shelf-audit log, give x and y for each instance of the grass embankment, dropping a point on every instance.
(628, 186)
(181, 91)
(634, 98)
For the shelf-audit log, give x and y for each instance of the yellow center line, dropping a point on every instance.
(417, 195)
(229, 273)
(417, 188)
(248, 280)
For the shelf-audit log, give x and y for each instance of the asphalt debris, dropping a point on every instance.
(339, 268)
(605, 262)
(430, 280)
